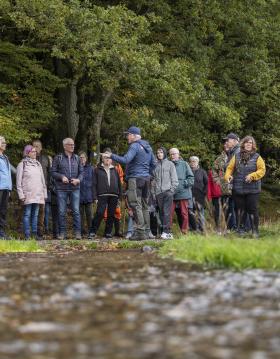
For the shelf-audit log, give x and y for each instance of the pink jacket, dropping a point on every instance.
(30, 182)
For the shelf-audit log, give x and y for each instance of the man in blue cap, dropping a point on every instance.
(140, 162)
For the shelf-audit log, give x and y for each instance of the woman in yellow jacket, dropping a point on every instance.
(245, 170)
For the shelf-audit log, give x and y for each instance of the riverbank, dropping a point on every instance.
(210, 250)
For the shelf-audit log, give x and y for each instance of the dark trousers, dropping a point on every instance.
(55, 225)
(164, 202)
(184, 221)
(111, 203)
(4, 198)
(247, 204)
(86, 215)
(217, 204)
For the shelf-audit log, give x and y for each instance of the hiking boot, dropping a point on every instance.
(91, 235)
(137, 237)
(78, 236)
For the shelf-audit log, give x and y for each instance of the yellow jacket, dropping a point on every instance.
(254, 176)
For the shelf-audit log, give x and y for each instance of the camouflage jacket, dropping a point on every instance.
(218, 173)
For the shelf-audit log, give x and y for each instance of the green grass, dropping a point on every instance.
(15, 246)
(126, 244)
(227, 252)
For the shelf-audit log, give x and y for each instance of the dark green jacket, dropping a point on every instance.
(186, 180)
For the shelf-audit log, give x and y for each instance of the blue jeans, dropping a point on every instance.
(62, 199)
(30, 213)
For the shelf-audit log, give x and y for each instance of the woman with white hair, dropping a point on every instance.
(199, 191)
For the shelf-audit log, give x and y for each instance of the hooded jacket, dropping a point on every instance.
(165, 175)
(139, 160)
(5, 173)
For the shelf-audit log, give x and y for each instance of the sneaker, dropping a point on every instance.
(170, 236)
(108, 236)
(91, 235)
(150, 235)
(164, 235)
(128, 235)
(78, 236)
(61, 237)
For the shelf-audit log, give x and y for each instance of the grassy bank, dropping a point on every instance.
(15, 246)
(228, 252)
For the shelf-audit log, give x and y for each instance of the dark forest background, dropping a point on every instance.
(187, 72)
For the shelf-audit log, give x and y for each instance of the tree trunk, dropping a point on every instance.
(67, 102)
(98, 123)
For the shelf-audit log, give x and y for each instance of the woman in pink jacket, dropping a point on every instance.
(31, 189)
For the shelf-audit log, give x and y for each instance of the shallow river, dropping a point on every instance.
(134, 305)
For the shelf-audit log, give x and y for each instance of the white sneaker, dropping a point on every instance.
(165, 235)
(170, 236)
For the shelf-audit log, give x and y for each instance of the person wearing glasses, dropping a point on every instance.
(31, 189)
(246, 170)
(183, 192)
(67, 171)
(5, 186)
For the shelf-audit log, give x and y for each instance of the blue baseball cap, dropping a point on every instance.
(133, 130)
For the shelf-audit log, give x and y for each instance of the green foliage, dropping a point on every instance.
(14, 246)
(218, 252)
(186, 72)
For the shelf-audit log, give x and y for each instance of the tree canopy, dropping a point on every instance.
(185, 71)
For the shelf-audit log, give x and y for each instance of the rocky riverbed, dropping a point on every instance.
(130, 304)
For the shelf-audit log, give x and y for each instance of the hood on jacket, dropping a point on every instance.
(164, 152)
(145, 145)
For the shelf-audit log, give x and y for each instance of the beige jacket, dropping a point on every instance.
(31, 186)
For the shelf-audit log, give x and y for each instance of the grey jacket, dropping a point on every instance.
(165, 177)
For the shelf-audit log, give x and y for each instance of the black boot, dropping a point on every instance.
(240, 223)
(254, 225)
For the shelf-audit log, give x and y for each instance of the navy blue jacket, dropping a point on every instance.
(86, 185)
(139, 160)
(68, 167)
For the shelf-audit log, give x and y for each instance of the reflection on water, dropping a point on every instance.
(132, 305)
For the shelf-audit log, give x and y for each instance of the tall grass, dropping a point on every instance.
(223, 252)
(15, 246)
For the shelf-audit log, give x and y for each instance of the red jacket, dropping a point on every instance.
(214, 189)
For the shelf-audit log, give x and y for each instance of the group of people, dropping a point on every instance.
(150, 184)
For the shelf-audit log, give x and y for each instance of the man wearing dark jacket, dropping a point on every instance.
(165, 183)
(232, 143)
(67, 172)
(199, 192)
(140, 162)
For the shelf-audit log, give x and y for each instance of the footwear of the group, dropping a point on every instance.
(91, 235)
(165, 235)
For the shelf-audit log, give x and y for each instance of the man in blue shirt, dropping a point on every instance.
(5, 186)
(140, 162)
